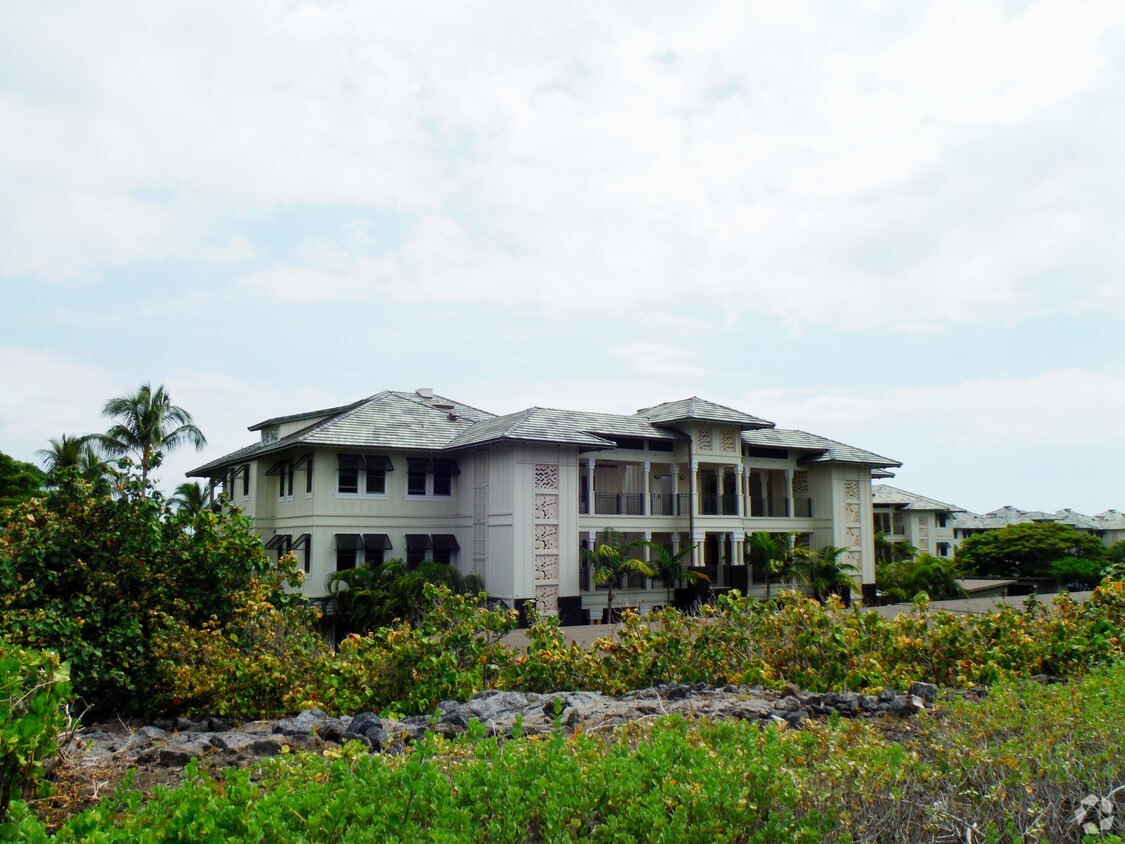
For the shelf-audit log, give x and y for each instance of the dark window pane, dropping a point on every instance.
(416, 483)
(443, 484)
(414, 556)
(345, 559)
(443, 556)
(376, 481)
(374, 556)
(349, 481)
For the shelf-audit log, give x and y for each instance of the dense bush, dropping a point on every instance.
(1018, 766)
(95, 578)
(34, 693)
(1026, 550)
(902, 581)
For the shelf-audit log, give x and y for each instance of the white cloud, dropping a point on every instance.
(805, 163)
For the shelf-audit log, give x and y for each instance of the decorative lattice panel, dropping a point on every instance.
(851, 512)
(851, 490)
(855, 537)
(546, 566)
(730, 442)
(546, 477)
(546, 537)
(800, 483)
(546, 507)
(706, 443)
(547, 599)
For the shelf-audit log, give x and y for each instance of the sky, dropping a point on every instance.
(894, 224)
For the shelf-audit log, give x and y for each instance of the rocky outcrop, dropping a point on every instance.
(174, 742)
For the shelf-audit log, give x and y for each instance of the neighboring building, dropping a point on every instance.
(925, 523)
(1109, 526)
(515, 498)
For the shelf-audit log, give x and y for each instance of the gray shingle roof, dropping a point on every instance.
(887, 494)
(312, 414)
(1111, 520)
(700, 410)
(387, 420)
(823, 450)
(571, 427)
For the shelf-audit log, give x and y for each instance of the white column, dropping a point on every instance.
(646, 502)
(696, 499)
(789, 490)
(590, 508)
(675, 470)
(739, 504)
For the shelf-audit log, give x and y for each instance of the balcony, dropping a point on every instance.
(619, 504)
(718, 505)
(667, 504)
(770, 507)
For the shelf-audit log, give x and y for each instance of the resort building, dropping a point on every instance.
(908, 518)
(515, 499)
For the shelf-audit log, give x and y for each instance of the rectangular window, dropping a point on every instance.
(445, 546)
(280, 543)
(376, 546)
(308, 475)
(941, 520)
(304, 545)
(345, 559)
(416, 471)
(376, 483)
(363, 471)
(245, 480)
(348, 481)
(417, 545)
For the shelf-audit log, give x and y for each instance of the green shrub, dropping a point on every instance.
(93, 578)
(34, 692)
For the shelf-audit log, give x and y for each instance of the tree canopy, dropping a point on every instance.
(19, 481)
(1026, 550)
(147, 425)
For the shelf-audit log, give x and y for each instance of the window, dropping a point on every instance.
(280, 543)
(244, 470)
(304, 545)
(941, 520)
(363, 471)
(347, 546)
(943, 549)
(283, 469)
(445, 546)
(308, 464)
(419, 470)
(417, 544)
(375, 548)
(416, 471)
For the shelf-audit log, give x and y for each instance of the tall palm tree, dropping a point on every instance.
(609, 560)
(670, 568)
(190, 498)
(148, 424)
(77, 452)
(823, 571)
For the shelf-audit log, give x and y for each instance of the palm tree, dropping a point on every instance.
(771, 552)
(148, 424)
(77, 452)
(823, 571)
(670, 568)
(191, 499)
(609, 560)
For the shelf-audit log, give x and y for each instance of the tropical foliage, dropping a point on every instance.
(1026, 550)
(77, 454)
(371, 596)
(93, 578)
(609, 559)
(670, 566)
(937, 577)
(146, 426)
(769, 553)
(19, 481)
(191, 499)
(824, 572)
(34, 693)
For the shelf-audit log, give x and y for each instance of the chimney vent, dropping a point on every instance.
(425, 392)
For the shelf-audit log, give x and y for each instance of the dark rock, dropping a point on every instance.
(349, 736)
(927, 691)
(887, 695)
(365, 721)
(266, 746)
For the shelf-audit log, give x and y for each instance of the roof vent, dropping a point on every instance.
(426, 393)
(443, 406)
(452, 417)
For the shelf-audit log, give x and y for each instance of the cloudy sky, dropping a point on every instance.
(896, 224)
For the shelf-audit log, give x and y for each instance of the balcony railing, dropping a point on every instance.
(718, 505)
(802, 508)
(619, 504)
(773, 507)
(668, 504)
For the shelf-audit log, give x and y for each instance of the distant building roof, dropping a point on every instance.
(821, 449)
(903, 500)
(696, 409)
